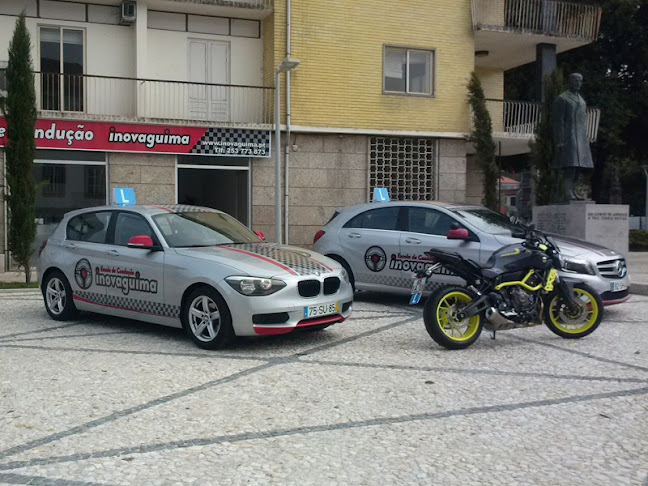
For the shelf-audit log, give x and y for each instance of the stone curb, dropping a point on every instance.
(10, 291)
(639, 288)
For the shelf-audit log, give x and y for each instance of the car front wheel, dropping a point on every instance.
(207, 319)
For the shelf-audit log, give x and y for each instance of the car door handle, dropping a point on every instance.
(413, 241)
(70, 246)
(354, 235)
(112, 253)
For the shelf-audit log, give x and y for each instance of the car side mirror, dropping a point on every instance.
(260, 234)
(458, 234)
(143, 242)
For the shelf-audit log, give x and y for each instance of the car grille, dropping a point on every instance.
(611, 268)
(309, 288)
(331, 285)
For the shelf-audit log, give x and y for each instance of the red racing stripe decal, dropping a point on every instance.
(260, 257)
(162, 208)
(320, 263)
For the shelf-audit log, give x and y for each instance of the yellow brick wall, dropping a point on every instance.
(492, 81)
(340, 45)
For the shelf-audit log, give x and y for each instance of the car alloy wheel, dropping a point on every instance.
(204, 318)
(58, 296)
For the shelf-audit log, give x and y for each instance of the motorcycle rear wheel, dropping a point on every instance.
(442, 323)
(574, 325)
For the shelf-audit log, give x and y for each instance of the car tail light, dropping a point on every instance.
(318, 235)
(42, 247)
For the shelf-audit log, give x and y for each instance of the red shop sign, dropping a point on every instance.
(152, 139)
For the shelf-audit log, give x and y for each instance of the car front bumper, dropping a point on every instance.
(284, 311)
(603, 287)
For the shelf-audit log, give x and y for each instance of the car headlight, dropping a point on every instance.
(255, 285)
(345, 276)
(576, 266)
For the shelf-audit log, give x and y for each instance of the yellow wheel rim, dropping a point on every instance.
(574, 322)
(456, 329)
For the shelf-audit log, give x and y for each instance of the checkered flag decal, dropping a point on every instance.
(125, 303)
(298, 261)
(233, 142)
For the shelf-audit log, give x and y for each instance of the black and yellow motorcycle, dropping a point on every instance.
(518, 287)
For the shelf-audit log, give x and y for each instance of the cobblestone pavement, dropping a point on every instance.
(370, 401)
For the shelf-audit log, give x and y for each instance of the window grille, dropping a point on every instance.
(405, 166)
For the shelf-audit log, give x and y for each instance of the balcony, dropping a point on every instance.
(514, 123)
(507, 31)
(256, 9)
(90, 97)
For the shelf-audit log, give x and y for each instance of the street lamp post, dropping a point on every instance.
(645, 169)
(288, 64)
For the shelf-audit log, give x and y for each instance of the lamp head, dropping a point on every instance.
(288, 64)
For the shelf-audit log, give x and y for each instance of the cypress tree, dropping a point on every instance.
(19, 109)
(548, 184)
(482, 137)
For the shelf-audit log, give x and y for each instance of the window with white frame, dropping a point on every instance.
(3, 78)
(62, 67)
(408, 71)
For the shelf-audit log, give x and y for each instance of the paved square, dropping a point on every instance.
(370, 401)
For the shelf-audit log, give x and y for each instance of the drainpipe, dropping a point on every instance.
(288, 142)
(6, 214)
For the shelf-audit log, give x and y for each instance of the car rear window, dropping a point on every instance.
(382, 218)
(90, 227)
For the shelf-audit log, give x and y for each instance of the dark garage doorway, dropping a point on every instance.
(216, 182)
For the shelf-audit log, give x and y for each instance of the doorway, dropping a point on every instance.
(222, 184)
(208, 67)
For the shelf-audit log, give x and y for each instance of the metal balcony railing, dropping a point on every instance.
(518, 119)
(107, 97)
(256, 4)
(541, 17)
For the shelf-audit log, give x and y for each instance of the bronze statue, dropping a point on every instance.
(572, 153)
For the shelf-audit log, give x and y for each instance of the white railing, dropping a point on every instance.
(257, 4)
(518, 119)
(542, 17)
(170, 101)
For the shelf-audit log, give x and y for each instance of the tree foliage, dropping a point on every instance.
(615, 72)
(547, 190)
(482, 137)
(19, 109)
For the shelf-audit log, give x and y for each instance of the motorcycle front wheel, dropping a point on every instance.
(443, 320)
(574, 323)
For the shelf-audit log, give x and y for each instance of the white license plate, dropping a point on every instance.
(417, 286)
(618, 286)
(321, 310)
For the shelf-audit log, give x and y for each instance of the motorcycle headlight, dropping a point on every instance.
(345, 276)
(576, 266)
(254, 286)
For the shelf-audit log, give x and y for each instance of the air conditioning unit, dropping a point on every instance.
(128, 12)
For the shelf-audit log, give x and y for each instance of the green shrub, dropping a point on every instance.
(638, 240)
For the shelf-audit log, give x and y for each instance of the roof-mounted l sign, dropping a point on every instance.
(124, 196)
(380, 194)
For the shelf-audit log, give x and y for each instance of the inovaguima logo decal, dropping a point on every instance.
(375, 259)
(83, 274)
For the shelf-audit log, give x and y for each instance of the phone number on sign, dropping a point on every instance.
(239, 151)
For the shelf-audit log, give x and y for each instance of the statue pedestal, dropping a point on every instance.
(603, 224)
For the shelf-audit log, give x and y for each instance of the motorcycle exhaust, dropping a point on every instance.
(498, 320)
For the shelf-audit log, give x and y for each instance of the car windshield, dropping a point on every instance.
(196, 229)
(489, 221)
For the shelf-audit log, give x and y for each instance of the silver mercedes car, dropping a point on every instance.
(381, 244)
(190, 267)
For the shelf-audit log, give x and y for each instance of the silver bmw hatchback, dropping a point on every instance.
(382, 244)
(190, 267)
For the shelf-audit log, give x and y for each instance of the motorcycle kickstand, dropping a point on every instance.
(493, 334)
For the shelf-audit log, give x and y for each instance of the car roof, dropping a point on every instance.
(148, 209)
(441, 204)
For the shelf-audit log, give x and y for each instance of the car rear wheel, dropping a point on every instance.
(207, 319)
(57, 294)
(346, 267)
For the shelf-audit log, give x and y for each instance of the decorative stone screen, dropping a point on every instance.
(405, 166)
